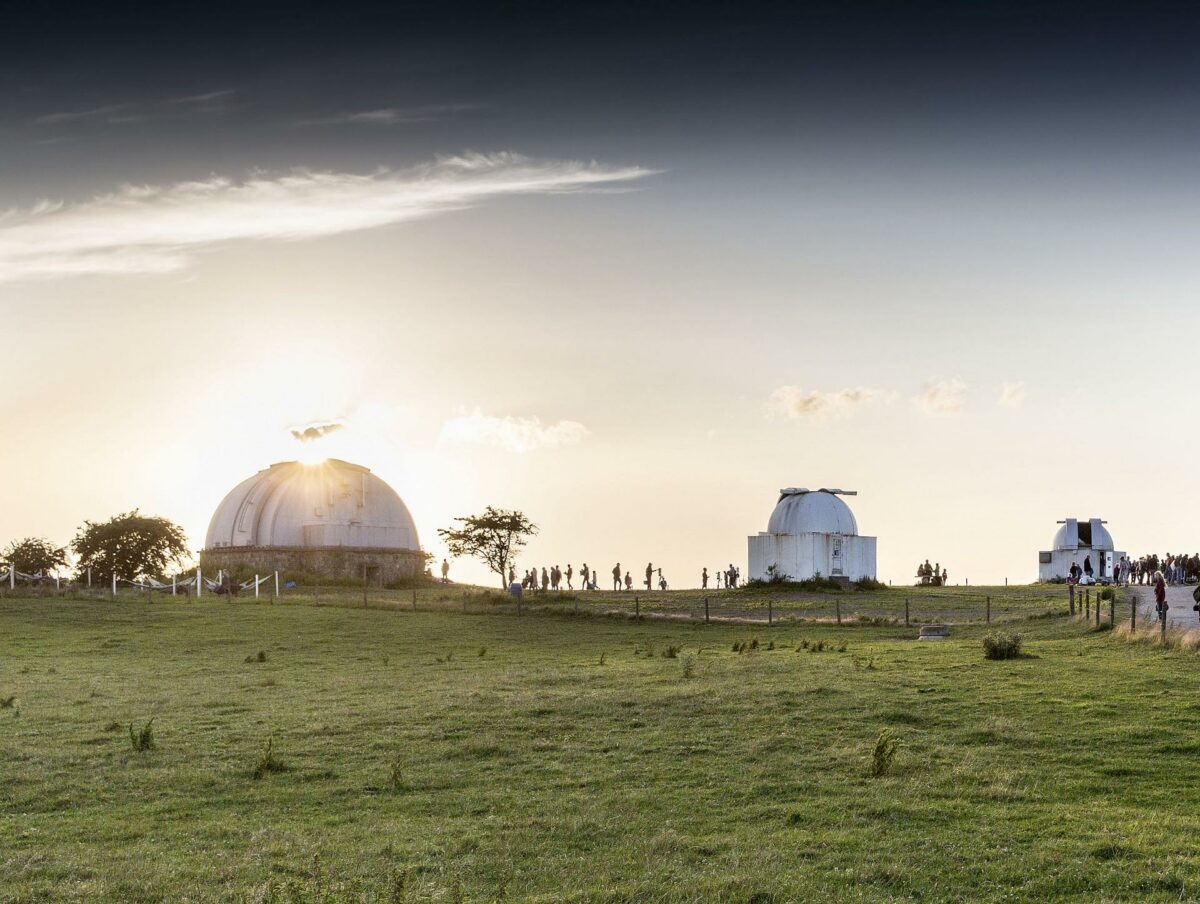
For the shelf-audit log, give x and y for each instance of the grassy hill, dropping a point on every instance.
(436, 756)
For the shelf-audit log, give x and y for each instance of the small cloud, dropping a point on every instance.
(208, 98)
(942, 397)
(796, 402)
(1012, 395)
(316, 431)
(391, 116)
(513, 434)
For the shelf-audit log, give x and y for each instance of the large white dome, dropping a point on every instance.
(802, 511)
(330, 504)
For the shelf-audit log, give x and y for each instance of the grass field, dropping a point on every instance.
(436, 756)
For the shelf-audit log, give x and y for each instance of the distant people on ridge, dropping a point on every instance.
(445, 571)
(704, 578)
(617, 576)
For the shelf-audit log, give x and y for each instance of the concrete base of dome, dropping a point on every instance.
(804, 556)
(383, 566)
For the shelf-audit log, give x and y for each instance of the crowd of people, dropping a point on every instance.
(1176, 569)
(726, 579)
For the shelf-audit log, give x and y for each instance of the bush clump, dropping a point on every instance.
(142, 739)
(884, 754)
(1000, 645)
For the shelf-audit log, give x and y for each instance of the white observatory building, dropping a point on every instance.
(811, 533)
(333, 519)
(1075, 541)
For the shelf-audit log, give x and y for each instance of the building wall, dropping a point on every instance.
(802, 556)
(341, 563)
(1061, 559)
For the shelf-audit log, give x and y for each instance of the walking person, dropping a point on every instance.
(1160, 596)
(585, 576)
(570, 572)
(617, 576)
(704, 578)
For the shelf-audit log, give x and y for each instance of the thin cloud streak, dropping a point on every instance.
(512, 434)
(391, 116)
(161, 229)
(1012, 395)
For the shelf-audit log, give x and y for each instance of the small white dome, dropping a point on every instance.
(1083, 534)
(811, 512)
(334, 503)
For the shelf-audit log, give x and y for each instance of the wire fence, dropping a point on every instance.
(893, 606)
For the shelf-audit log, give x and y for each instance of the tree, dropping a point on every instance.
(495, 537)
(131, 546)
(34, 555)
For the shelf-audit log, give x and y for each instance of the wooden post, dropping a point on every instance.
(173, 585)
(89, 577)
(1133, 612)
(906, 623)
(364, 585)
(414, 601)
(1163, 626)
(770, 612)
(1097, 608)
(706, 621)
(114, 582)
(838, 608)
(989, 610)
(256, 586)
(1112, 610)
(1071, 592)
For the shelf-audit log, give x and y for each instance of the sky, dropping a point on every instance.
(628, 268)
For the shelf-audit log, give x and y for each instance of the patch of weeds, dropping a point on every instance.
(771, 645)
(754, 644)
(884, 753)
(396, 779)
(143, 739)
(113, 726)
(842, 647)
(447, 658)
(1001, 645)
(1108, 851)
(603, 656)
(268, 762)
(671, 652)
(482, 652)
(689, 668)
(261, 656)
(8, 702)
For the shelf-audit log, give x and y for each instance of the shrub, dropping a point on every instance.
(1000, 645)
(268, 762)
(884, 754)
(870, 584)
(8, 702)
(689, 668)
(142, 740)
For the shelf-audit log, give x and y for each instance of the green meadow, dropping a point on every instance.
(332, 753)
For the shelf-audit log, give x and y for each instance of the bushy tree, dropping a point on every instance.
(34, 555)
(494, 538)
(131, 546)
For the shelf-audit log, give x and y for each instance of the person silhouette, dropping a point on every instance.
(585, 576)
(445, 571)
(628, 581)
(649, 576)
(704, 578)
(570, 572)
(617, 576)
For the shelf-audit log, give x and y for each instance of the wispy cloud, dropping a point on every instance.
(313, 432)
(206, 99)
(106, 113)
(1012, 395)
(797, 402)
(942, 397)
(513, 434)
(390, 116)
(160, 229)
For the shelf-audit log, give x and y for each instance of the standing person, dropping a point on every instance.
(719, 580)
(512, 575)
(617, 576)
(445, 571)
(1160, 596)
(584, 574)
(570, 572)
(649, 576)
(628, 581)
(945, 578)
(704, 578)
(1087, 567)
(545, 578)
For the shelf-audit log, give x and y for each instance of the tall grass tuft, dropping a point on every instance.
(268, 762)
(884, 754)
(143, 739)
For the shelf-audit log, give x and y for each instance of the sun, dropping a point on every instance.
(311, 454)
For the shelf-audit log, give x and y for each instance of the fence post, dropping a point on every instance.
(1097, 608)
(364, 585)
(1162, 618)
(414, 601)
(1112, 610)
(989, 610)
(199, 583)
(1087, 604)
(706, 621)
(906, 612)
(256, 586)
(770, 612)
(114, 583)
(1132, 612)
(1071, 593)
(838, 608)
(276, 596)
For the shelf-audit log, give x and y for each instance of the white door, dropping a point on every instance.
(836, 566)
